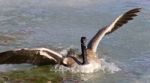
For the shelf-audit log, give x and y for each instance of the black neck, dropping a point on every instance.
(83, 49)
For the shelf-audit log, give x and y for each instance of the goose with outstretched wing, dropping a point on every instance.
(42, 56)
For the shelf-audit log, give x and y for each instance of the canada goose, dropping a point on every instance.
(42, 56)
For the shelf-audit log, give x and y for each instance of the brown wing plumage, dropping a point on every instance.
(36, 56)
(118, 22)
(124, 19)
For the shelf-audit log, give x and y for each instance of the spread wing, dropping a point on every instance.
(36, 56)
(117, 23)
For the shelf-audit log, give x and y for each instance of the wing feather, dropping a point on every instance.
(36, 56)
(117, 23)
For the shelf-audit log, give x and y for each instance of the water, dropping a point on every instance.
(60, 24)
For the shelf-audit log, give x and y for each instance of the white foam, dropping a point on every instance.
(90, 68)
(65, 51)
(109, 66)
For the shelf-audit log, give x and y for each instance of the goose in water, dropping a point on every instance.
(43, 56)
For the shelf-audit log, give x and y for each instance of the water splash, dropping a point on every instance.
(109, 66)
(104, 65)
(72, 48)
(90, 68)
